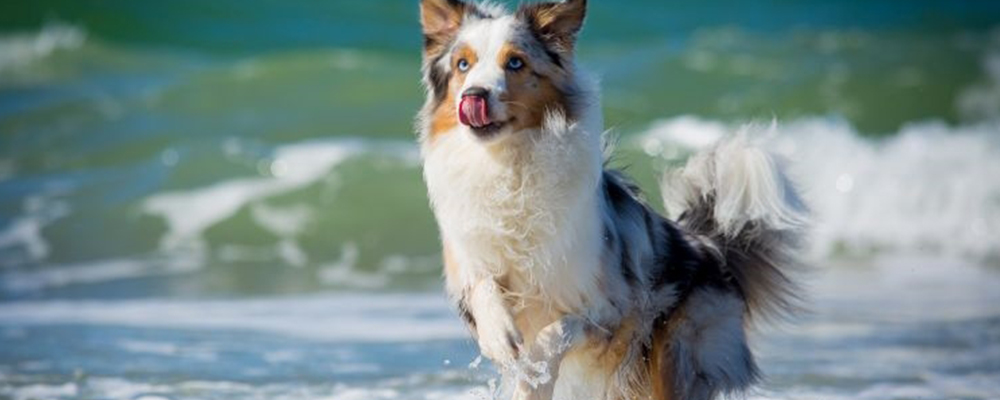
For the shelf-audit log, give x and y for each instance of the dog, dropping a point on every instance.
(568, 281)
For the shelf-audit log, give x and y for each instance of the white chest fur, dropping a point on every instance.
(523, 210)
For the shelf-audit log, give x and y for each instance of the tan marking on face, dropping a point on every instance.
(530, 95)
(440, 20)
(557, 22)
(445, 117)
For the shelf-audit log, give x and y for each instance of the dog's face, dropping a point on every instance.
(492, 74)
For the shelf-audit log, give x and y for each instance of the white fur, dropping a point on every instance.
(747, 184)
(523, 208)
(487, 37)
(509, 204)
(526, 209)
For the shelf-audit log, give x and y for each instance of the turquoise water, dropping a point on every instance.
(223, 199)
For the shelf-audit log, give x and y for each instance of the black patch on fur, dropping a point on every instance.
(625, 261)
(553, 56)
(676, 260)
(618, 191)
(701, 220)
(463, 311)
(513, 343)
(525, 14)
(681, 261)
(617, 250)
(649, 218)
(438, 80)
(620, 196)
(689, 263)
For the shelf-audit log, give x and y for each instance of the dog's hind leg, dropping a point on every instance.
(701, 351)
(540, 366)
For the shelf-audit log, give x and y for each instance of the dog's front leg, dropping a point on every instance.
(498, 337)
(546, 354)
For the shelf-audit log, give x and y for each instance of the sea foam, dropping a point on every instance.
(20, 50)
(189, 213)
(929, 188)
(358, 317)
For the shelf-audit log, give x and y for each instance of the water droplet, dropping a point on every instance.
(475, 363)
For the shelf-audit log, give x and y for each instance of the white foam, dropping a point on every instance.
(344, 272)
(982, 100)
(24, 233)
(198, 351)
(116, 388)
(41, 391)
(688, 132)
(189, 213)
(930, 188)
(354, 318)
(292, 254)
(282, 221)
(95, 272)
(286, 223)
(23, 49)
(148, 347)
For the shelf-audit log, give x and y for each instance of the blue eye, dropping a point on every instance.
(515, 63)
(463, 65)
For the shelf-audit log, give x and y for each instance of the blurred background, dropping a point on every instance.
(222, 199)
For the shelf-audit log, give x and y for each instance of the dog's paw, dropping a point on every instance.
(500, 341)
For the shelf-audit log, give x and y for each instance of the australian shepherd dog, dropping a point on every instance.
(570, 283)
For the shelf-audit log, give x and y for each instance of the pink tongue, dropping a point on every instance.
(472, 112)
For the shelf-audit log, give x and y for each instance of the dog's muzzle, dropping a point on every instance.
(474, 109)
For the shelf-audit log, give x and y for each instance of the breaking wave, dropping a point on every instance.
(929, 188)
(20, 50)
(294, 166)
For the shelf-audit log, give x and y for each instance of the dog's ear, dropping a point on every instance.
(440, 20)
(556, 23)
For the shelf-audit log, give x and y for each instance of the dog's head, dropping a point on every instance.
(490, 73)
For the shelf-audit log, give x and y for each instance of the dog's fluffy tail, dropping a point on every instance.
(737, 196)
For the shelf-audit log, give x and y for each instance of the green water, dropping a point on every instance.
(103, 106)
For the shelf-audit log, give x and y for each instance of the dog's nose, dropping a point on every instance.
(477, 92)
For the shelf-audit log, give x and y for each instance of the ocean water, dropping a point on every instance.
(222, 200)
